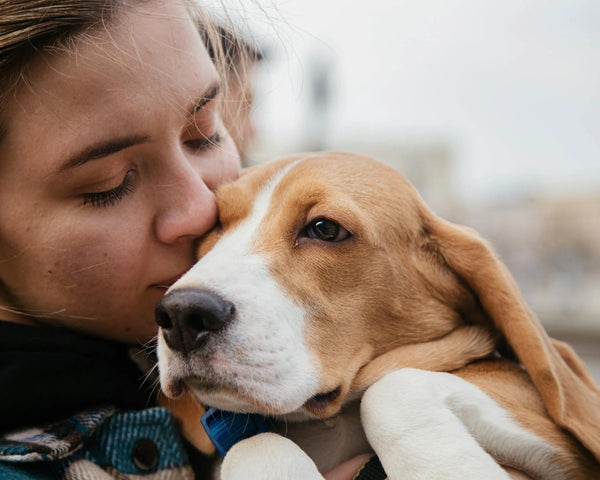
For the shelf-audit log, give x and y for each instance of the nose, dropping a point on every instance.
(188, 317)
(188, 210)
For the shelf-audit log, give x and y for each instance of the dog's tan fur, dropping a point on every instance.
(411, 289)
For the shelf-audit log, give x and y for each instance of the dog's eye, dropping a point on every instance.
(326, 230)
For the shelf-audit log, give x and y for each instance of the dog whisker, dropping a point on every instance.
(154, 389)
(150, 375)
(149, 347)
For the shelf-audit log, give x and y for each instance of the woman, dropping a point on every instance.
(111, 146)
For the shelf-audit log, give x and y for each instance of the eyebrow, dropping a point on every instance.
(103, 149)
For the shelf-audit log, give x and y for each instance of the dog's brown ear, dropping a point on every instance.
(571, 396)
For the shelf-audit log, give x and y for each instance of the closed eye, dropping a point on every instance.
(204, 143)
(113, 196)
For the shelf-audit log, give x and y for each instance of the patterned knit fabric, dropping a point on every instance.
(100, 444)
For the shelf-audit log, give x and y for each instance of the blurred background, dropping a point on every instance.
(492, 110)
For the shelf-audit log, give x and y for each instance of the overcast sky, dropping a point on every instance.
(512, 86)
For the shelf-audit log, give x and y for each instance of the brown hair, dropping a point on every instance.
(28, 28)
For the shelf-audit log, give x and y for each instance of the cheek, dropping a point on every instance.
(343, 317)
(87, 258)
(86, 278)
(115, 255)
(337, 336)
(95, 266)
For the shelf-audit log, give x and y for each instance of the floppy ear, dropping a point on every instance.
(571, 396)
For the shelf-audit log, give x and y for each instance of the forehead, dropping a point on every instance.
(146, 58)
(139, 46)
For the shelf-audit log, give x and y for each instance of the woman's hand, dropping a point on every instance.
(348, 469)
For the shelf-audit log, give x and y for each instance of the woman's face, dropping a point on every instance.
(108, 164)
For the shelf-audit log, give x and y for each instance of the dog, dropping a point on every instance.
(332, 300)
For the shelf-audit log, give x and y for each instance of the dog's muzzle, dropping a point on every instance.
(189, 316)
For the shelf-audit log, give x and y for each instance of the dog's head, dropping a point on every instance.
(320, 263)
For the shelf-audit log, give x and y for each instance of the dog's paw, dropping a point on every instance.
(268, 456)
(424, 425)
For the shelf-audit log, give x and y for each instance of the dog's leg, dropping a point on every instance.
(268, 456)
(427, 425)
(451, 352)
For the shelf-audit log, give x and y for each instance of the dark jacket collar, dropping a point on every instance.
(48, 373)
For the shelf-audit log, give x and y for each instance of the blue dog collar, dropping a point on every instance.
(225, 429)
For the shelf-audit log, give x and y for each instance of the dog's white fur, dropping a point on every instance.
(468, 430)
(421, 424)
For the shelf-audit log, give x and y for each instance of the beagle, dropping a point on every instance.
(332, 300)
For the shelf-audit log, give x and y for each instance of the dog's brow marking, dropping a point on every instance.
(263, 199)
(239, 239)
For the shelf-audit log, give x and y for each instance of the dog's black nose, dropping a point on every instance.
(188, 315)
